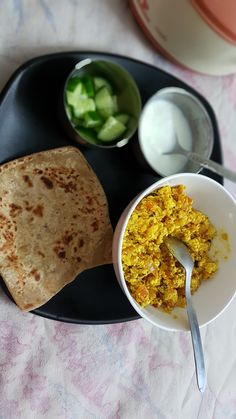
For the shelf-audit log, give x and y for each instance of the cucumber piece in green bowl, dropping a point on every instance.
(82, 106)
(123, 117)
(78, 93)
(88, 85)
(101, 82)
(111, 130)
(106, 104)
(93, 119)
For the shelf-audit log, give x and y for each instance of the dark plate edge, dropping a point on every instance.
(44, 57)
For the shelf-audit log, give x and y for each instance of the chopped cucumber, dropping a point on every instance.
(88, 85)
(105, 102)
(92, 119)
(111, 130)
(101, 82)
(93, 109)
(123, 117)
(72, 83)
(78, 93)
(82, 106)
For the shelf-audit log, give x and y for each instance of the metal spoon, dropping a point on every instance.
(181, 253)
(204, 162)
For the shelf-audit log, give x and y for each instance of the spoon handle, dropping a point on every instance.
(196, 338)
(213, 166)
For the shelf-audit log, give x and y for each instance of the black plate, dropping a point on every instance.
(29, 123)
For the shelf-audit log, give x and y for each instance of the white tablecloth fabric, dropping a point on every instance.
(131, 370)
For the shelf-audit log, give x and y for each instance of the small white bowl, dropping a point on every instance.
(214, 295)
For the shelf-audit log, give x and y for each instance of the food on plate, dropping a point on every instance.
(54, 224)
(152, 273)
(93, 109)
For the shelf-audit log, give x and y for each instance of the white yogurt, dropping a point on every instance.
(161, 121)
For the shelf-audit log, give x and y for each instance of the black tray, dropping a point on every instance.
(29, 123)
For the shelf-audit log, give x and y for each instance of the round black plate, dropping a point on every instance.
(29, 122)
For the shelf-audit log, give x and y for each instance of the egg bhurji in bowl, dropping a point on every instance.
(201, 213)
(153, 274)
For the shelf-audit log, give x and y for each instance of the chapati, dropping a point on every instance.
(54, 224)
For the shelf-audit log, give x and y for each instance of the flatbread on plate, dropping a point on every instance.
(54, 224)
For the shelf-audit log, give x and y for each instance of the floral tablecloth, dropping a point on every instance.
(129, 370)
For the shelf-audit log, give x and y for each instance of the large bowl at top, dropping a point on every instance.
(214, 295)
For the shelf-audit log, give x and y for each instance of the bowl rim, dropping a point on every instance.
(181, 91)
(117, 256)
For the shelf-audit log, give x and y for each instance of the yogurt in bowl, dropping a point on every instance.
(171, 114)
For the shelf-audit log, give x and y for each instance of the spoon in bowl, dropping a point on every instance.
(181, 253)
(204, 162)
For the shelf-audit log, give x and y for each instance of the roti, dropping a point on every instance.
(54, 224)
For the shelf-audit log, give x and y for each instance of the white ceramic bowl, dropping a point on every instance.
(213, 296)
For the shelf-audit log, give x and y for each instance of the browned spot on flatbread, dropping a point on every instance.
(95, 225)
(35, 274)
(62, 254)
(67, 238)
(38, 210)
(14, 210)
(59, 250)
(47, 182)
(81, 243)
(8, 235)
(28, 207)
(28, 306)
(27, 180)
(41, 253)
(12, 258)
(69, 187)
(3, 219)
(89, 200)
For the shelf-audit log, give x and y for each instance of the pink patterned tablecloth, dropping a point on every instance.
(131, 370)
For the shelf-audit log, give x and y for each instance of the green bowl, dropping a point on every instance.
(128, 100)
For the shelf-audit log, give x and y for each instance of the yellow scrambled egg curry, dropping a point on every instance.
(152, 273)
